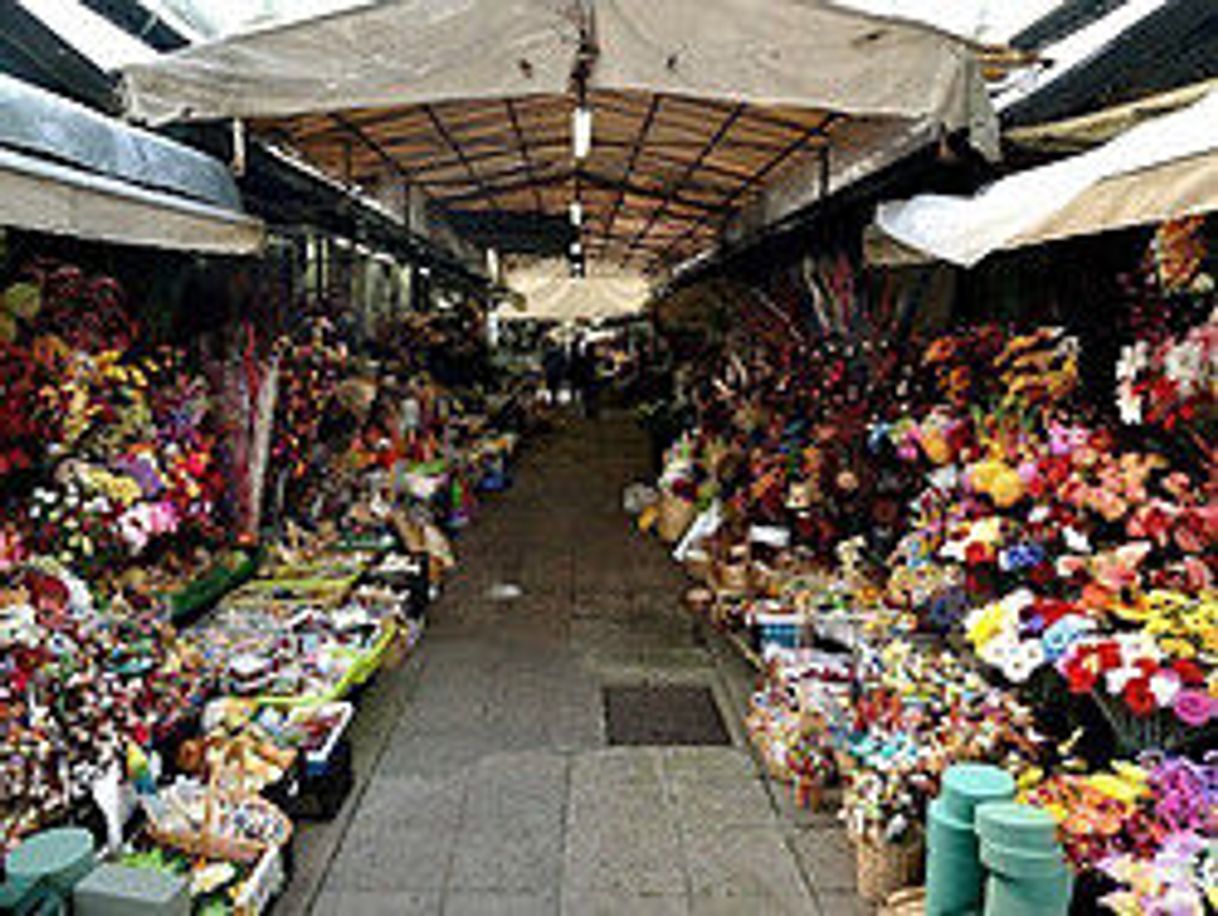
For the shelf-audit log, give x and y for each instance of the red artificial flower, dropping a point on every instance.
(1042, 573)
(1190, 672)
(1108, 655)
(1138, 698)
(1081, 676)
(977, 553)
(1148, 666)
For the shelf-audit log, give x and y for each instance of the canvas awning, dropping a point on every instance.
(1164, 168)
(699, 105)
(68, 170)
(549, 292)
(45, 196)
(805, 53)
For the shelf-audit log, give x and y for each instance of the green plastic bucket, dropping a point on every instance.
(966, 786)
(1020, 828)
(59, 858)
(1017, 863)
(954, 875)
(1045, 896)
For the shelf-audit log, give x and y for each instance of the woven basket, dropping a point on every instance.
(676, 515)
(698, 565)
(909, 902)
(699, 601)
(883, 868)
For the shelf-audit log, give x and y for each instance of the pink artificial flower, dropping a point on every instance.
(1194, 708)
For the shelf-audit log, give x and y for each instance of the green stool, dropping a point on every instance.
(954, 875)
(57, 859)
(1028, 872)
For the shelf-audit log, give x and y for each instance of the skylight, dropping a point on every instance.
(93, 36)
(988, 21)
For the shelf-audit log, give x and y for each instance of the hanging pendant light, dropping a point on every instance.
(581, 132)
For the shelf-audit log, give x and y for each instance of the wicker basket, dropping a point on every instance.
(699, 601)
(698, 565)
(908, 902)
(215, 837)
(676, 515)
(883, 868)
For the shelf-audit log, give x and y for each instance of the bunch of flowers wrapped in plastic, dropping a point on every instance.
(113, 448)
(1148, 827)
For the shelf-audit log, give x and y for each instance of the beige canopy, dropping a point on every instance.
(805, 53)
(1163, 168)
(549, 292)
(59, 199)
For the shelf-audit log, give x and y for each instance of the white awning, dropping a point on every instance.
(45, 196)
(1164, 168)
(804, 53)
(549, 292)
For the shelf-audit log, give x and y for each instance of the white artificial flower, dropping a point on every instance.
(1129, 404)
(1164, 687)
(1134, 359)
(1117, 678)
(1076, 541)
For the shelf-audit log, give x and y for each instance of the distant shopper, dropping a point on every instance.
(554, 365)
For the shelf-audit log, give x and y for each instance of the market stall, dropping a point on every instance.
(945, 550)
(176, 697)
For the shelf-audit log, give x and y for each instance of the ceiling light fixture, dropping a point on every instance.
(581, 132)
(577, 213)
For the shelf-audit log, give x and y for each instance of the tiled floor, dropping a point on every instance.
(485, 785)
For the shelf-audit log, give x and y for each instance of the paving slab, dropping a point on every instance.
(485, 782)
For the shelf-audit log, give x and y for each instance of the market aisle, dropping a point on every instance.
(494, 791)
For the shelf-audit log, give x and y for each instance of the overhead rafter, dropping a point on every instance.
(355, 131)
(524, 149)
(724, 126)
(457, 148)
(664, 173)
(757, 177)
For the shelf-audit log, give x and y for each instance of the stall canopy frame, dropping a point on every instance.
(697, 106)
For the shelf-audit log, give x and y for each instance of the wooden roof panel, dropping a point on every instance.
(664, 174)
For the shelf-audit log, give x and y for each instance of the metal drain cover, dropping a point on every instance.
(668, 715)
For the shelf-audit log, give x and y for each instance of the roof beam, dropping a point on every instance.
(487, 193)
(720, 132)
(456, 147)
(757, 177)
(378, 150)
(625, 188)
(525, 156)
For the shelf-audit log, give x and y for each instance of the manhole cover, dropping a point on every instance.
(663, 715)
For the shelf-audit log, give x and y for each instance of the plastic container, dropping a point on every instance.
(954, 874)
(59, 858)
(1020, 828)
(1028, 873)
(1016, 863)
(969, 785)
(1045, 896)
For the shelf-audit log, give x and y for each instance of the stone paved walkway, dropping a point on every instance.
(485, 786)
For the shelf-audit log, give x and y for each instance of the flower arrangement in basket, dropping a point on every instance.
(206, 820)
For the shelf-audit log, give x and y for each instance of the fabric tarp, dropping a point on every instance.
(550, 293)
(803, 53)
(50, 197)
(1160, 169)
